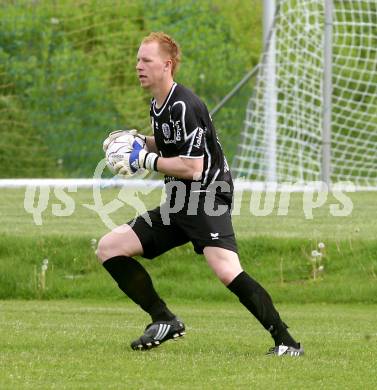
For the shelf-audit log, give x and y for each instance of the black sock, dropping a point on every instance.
(256, 299)
(136, 283)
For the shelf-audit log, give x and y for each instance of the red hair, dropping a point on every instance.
(168, 45)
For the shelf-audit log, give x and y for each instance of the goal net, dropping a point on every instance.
(282, 139)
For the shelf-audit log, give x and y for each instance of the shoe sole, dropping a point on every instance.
(290, 354)
(156, 343)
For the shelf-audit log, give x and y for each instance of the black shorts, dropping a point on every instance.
(159, 231)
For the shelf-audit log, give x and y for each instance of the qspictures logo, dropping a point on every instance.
(38, 198)
(273, 200)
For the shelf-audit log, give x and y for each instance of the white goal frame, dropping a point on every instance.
(326, 31)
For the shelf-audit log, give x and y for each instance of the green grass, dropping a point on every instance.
(85, 345)
(274, 249)
(359, 225)
(80, 343)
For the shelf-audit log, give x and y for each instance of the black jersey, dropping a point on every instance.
(183, 127)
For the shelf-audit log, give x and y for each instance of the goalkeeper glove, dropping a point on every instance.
(129, 140)
(138, 158)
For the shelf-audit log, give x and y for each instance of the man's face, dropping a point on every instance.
(151, 65)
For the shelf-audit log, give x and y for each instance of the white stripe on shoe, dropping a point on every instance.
(163, 330)
(160, 329)
(166, 331)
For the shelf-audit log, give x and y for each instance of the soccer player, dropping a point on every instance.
(199, 190)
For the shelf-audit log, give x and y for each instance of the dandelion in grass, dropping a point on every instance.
(93, 244)
(42, 275)
(316, 261)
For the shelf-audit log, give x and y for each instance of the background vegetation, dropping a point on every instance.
(276, 250)
(67, 73)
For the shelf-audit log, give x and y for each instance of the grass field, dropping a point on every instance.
(84, 345)
(47, 342)
(360, 224)
(275, 249)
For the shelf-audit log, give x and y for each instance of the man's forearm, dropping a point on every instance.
(180, 167)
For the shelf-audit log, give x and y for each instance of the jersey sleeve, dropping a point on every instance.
(189, 135)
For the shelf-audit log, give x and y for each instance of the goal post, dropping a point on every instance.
(327, 93)
(324, 54)
(270, 96)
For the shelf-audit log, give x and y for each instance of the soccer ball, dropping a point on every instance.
(117, 149)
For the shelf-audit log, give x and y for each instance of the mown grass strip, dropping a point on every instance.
(84, 344)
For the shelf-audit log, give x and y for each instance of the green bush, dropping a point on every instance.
(67, 73)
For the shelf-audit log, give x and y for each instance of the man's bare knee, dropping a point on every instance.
(104, 249)
(109, 246)
(224, 263)
(121, 242)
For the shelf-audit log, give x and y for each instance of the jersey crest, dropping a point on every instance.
(166, 130)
